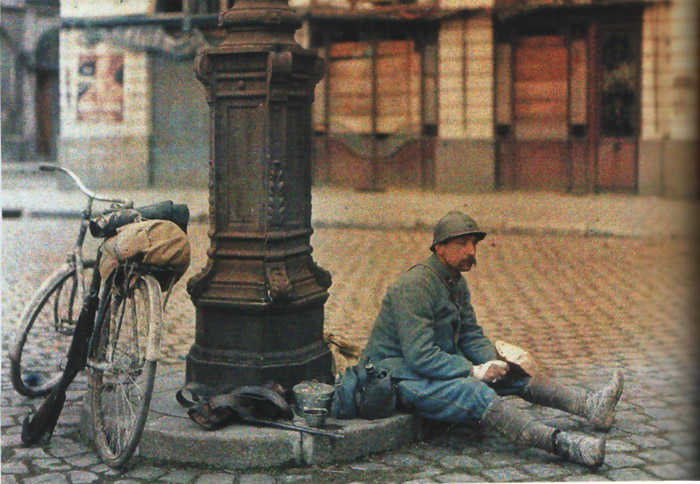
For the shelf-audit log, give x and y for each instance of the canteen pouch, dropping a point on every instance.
(359, 395)
(376, 397)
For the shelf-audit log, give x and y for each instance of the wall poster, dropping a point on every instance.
(100, 87)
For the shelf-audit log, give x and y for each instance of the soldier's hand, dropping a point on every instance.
(491, 371)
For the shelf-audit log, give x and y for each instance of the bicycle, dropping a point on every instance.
(48, 320)
(117, 338)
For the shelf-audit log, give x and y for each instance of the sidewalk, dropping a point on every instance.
(503, 212)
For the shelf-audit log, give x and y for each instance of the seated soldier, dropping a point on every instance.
(427, 336)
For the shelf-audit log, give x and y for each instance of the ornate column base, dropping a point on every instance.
(245, 347)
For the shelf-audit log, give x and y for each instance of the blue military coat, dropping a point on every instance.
(426, 327)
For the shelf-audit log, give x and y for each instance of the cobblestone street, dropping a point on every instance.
(584, 306)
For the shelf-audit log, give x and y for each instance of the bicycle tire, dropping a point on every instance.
(122, 366)
(43, 337)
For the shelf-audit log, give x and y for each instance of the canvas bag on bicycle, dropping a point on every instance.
(160, 243)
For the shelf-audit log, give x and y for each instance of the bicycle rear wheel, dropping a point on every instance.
(122, 365)
(44, 335)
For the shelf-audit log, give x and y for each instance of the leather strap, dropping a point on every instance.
(215, 411)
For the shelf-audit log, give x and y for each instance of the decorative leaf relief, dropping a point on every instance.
(276, 201)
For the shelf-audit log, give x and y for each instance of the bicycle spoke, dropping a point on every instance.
(123, 377)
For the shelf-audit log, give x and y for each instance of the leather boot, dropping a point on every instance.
(579, 448)
(596, 407)
(520, 427)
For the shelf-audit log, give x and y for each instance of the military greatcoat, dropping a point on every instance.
(426, 335)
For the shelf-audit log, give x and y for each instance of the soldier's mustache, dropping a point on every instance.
(471, 260)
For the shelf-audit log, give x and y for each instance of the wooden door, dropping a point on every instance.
(534, 149)
(568, 101)
(540, 112)
(46, 95)
(617, 123)
(46, 112)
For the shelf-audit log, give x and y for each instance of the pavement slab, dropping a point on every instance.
(458, 478)
(630, 475)
(668, 471)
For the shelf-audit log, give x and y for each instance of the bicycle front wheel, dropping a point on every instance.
(122, 365)
(43, 338)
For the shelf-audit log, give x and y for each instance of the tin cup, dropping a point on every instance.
(315, 417)
(310, 395)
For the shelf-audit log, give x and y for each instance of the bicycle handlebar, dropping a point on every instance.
(124, 202)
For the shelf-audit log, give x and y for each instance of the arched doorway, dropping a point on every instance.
(47, 95)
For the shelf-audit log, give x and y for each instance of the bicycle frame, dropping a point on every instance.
(74, 258)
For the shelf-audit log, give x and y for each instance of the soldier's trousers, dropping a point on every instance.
(462, 400)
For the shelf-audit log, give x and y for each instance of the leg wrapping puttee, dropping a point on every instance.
(597, 407)
(520, 427)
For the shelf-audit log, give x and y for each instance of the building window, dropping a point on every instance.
(169, 6)
(193, 7)
(382, 79)
(619, 96)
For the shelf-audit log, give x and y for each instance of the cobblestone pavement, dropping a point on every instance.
(584, 306)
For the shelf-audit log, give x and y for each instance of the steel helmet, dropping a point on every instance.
(454, 224)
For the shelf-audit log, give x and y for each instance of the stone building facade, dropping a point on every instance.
(29, 78)
(449, 95)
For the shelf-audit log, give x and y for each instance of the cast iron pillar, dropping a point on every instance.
(259, 299)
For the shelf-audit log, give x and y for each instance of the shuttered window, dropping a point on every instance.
(541, 88)
(395, 82)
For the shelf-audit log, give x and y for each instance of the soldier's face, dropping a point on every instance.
(458, 254)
